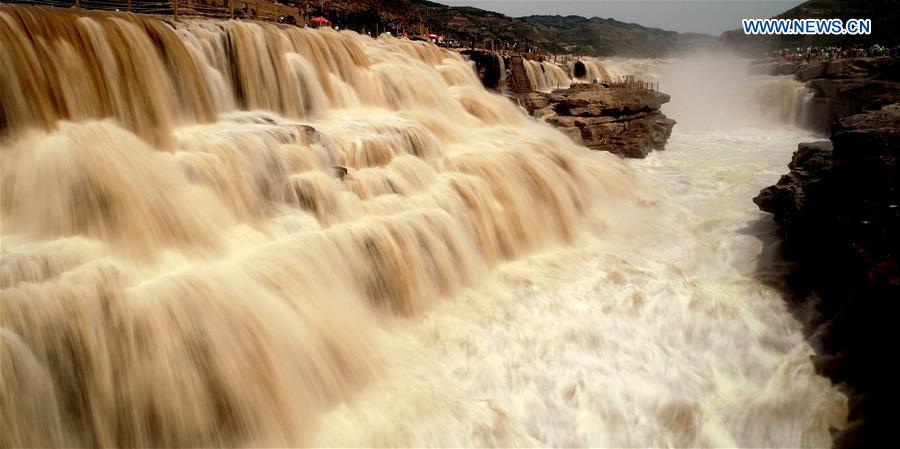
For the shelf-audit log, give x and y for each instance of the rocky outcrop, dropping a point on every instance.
(843, 86)
(487, 67)
(840, 219)
(788, 199)
(622, 121)
(775, 67)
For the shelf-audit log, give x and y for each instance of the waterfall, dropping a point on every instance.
(789, 99)
(205, 223)
(586, 70)
(501, 84)
(718, 91)
(240, 234)
(647, 69)
(546, 76)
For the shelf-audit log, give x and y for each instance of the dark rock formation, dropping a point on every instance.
(775, 67)
(622, 121)
(579, 69)
(487, 66)
(340, 171)
(840, 219)
(788, 198)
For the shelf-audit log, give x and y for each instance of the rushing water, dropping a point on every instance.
(589, 70)
(652, 329)
(545, 76)
(228, 233)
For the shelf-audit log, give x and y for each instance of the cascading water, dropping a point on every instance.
(591, 69)
(647, 69)
(546, 76)
(729, 96)
(190, 270)
(244, 234)
(501, 84)
(790, 99)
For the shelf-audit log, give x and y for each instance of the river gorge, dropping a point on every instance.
(230, 233)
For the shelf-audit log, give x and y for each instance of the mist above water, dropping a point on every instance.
(715, 90)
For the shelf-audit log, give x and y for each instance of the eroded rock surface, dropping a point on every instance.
(838, 207)
(622, 121)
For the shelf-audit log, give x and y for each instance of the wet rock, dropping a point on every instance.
(811, 72)
(788, 198)
(340, 171)
(536, 101)
(838, 207)
(814, 155)
(312, 134)
(487, 66)
(846, 97)
(621, 121)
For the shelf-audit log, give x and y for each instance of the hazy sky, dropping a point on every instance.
(699, 16)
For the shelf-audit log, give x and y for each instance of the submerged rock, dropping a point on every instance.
(340, 171)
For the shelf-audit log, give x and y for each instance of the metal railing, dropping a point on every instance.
(630, 82)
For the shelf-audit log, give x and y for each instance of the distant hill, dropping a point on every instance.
(885, 15)
(557, 34)
(472, 25)
(465, 24)
(610, 37)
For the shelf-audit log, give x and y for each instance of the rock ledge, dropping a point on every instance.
(621, 121)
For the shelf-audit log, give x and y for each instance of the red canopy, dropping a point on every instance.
(320, 19)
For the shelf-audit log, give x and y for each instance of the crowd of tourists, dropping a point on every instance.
(829, 53)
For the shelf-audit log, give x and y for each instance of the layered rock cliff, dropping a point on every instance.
(838, 207)
(622, 121)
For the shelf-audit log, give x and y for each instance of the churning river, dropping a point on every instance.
(186, 263)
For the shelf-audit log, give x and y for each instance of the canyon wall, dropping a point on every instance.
(839, 216)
